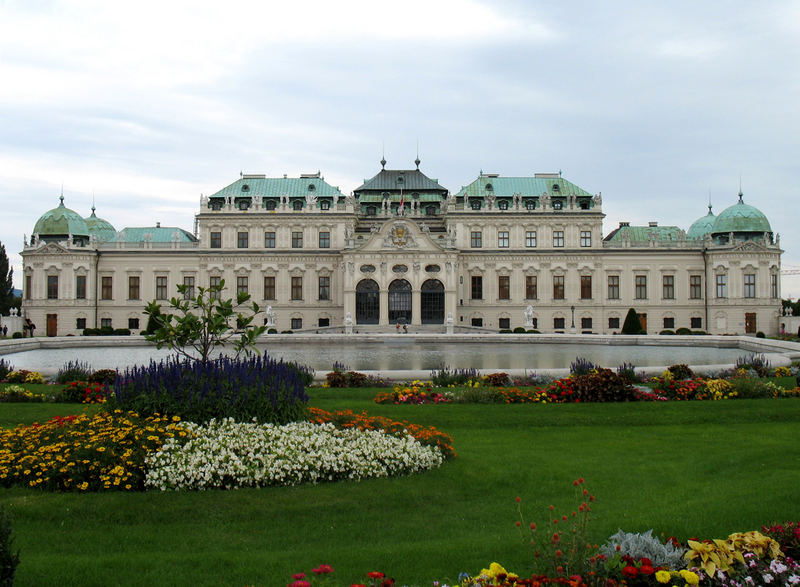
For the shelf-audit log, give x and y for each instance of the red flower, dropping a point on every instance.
(375, 575)
(299, 583)
(646, 570)
(630, 571)
(299, 576)
(322, 570)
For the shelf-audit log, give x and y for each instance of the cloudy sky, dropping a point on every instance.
(145, 105)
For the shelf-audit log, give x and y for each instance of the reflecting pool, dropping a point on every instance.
(391, 354)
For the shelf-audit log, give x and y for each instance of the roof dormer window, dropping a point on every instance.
(503, 204)
(489, 187)
(556, 188)
(245, 188)
(311, 187)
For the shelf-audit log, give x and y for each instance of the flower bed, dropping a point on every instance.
(85, 453)
(427, 435)
(417, 392)
(226, 454)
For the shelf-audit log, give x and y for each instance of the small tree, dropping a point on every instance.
(632, 324)
(7, 298)
(196, 326)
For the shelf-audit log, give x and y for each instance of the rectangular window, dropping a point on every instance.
(558, 238)
(133, 287)
(52, 287)
(133, 324)
(641, 287)
(586, 238)
(749, 285)
(297, 288)
(161, 288)
(241, 284)
(722, 286)
(586, 287)
(586, 323)
(613, 287)
(668, 287)
(297, 323)
(324, 287)
(669, 323)
(503, 287)
(695, 287)
(613, 323)
(28, 286)
(476, 239)
(106, 288)
(269, 287)
(269, 240)
(558, 323)
(502, 239)
(773, 286)
(242, 240)
(477, 287)
(80, 323)
(477, 322)
(696, 323)
(324, 321)
(80, 287)
(188, 282)
(324, 240)
(297, 240)
(504, 323)
(530, 238)
(531, 292)
(558, 287)
(216, 240)
(105, 323)
(215, 281)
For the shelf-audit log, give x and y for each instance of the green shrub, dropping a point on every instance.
(667, 332)
(16, 335)
(497, 379)
(519, 329)
(752, 388)
(505, 331)
(760, 334)
(601, 385)
(680, 371)
(106, 331)
(444, 377)
(74, 371)
(91, 332)
(5, 368)
(272, 331)
(9, 560)
(683, 331)
(107, 376)
(581, 366)
(122, 332)
(632, 324)
(699, 332)
(287, 331)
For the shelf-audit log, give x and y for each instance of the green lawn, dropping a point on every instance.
(702, 469)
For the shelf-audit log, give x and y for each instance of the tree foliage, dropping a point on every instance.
(194, 327)
(7, 300)
(632, 324)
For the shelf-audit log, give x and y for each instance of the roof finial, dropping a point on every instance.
(383, 155)
(709, 201)
(740, 189)
(61, 197)
(417, 161)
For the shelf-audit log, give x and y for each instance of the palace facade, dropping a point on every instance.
(500, 253)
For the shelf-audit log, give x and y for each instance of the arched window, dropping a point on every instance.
(432, 302)
(367, 302)
(297, 205)
(476, 204)
(400, 301)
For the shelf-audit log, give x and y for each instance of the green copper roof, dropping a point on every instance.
(644, 233)
(741, 218)
(702, 226)
(102, 230)
(395, 180)
(275, 187)
(525, 186)
(154, 234)
(61, 221)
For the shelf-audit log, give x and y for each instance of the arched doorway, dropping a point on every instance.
(368, 302)
(432, 302)
(400, 301)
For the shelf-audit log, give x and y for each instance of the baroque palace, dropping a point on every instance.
(500, 253)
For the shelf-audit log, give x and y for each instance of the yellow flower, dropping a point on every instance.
(690, 577)
(663, 576)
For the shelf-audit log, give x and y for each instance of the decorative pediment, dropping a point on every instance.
(750, 247)
(53, 249)
(401, 235)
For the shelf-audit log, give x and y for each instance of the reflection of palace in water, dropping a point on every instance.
(403, 249)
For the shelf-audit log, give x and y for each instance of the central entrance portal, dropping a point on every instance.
(400, 301)
(367, 302)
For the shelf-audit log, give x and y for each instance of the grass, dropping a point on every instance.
(702, 469)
